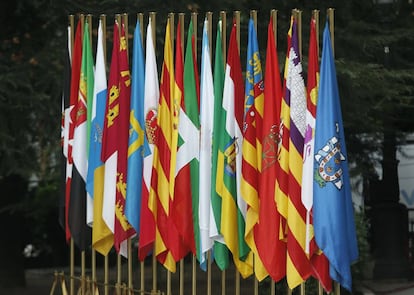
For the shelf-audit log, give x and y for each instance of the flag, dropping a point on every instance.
(80, 232)
(123, 229)
(297, 266)
(252, 146)
(137, 147)
(64, 136)
(162, 182)
(151, 96)
(271, 249)
(229, 161)
(320, 264)
(115, 143)
(333, 214)
(102, 237)
(109, 138)
(204, 210)
(221, 255)
(186, 177)
(70, 115)
(293, 119)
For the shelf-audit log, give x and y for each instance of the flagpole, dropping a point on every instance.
(223, 282)
(125, 22)
(223, 35)
(140, 17)
(152, 16)
(83, 272)
(130, 279)
(194, 276)
(194, 19)
(119, 273)
(315, 14)
(209, 16)
(142, 276)
(182, 276)
(106, 275)
(237, 19)
(172, 34)
(168, 282)
(181, 20)
(273, 15)
(72, 267)
(237, 281)
(209, 272)
(154, 274)
(330, 14)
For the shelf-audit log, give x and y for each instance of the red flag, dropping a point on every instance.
(271, 249)
(115, 136)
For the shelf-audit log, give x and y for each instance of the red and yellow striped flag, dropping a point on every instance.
(162, 182)
(252, 145)
(293, 119)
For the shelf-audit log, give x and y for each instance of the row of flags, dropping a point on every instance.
(254, 169)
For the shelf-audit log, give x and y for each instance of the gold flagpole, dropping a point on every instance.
(152, 16)
(237, 282)
(194, 19)
(181, 292)
(130, 273)
(181, 20)
(237, 18)
(209, 272)
(140, 17)
(315, 14)
(106, 275)
(154, 274)
(273, 15)
(209, 17)
(72, 267)
(194, 280)
(330, 13)
(223, 18)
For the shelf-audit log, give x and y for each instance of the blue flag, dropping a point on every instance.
(136, 134)
(332, 205)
